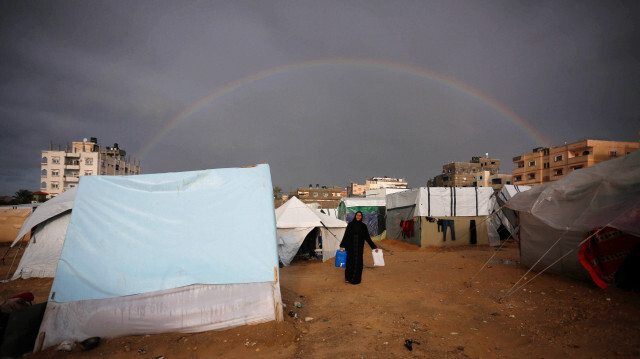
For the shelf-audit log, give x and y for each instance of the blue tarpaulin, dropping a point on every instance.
(145, 233)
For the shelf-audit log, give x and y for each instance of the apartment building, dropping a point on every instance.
(385, 182)
(479, 172)
(61, 169)
(327, 197)
(356, 190)
(547, 164)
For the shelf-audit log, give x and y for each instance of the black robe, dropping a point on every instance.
(353, 241)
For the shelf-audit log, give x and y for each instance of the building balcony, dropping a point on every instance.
(72, 167)
(74, 179)
(579, 160)
(72, 155)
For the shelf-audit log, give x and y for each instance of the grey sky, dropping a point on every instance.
(122, 70)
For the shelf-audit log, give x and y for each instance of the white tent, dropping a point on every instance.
(426, 206)
(564, 211)
(294, 220)
(171, 252)
(505, 216)
(49, 223)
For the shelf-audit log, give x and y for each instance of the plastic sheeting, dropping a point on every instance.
(51, 208)
(138, 234)
(41, 256)
(188, 309)
(607, 194)
(445, 201)
(564, 211)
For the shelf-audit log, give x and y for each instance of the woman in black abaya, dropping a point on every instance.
(353, 241)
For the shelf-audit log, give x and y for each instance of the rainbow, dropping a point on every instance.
(384, 65)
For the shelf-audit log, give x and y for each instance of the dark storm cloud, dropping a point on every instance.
(121, 71)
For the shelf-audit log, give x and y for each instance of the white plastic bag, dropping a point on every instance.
(378, 259)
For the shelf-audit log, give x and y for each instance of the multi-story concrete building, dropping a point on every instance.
(327, 197)
(356, 190)
(385, 182)
(61, 169)
(469, 174)
(547, 164)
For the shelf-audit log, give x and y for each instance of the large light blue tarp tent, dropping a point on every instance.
(186, 252)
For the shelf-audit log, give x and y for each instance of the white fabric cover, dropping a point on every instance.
(51, 208)
(294, 220)
(41, 256)
(188, 309)
(607, 194)
(445, 201)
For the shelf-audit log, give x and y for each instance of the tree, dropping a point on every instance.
(22, 196)
(277, 192)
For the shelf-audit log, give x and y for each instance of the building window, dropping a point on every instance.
(44, 160)
(545, 165)
(518, 178)
(54, 185)
(585, 153)
(43, 185)
(480, 177)
(521, 164)
(532, 176)
(315, 194)
(532, 163)
(88, 173)
(508, 182)
(55, 160)
(577, 167)
(117, 167)
(43, 173)
(325, 194)
(558, 172)
(88, 161)
(613, 154)
(55, 173)
(558, 158)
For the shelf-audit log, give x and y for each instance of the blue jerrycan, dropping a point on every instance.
(341, 258)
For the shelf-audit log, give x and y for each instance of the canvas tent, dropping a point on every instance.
(558, 216)
(423, 216)
(171, 252)
(373, 212)
(294, 220)
(49, 224)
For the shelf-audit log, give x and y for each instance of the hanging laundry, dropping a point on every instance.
(448, 223)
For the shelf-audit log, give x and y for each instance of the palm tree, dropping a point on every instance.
(277, 192)
(22, 196)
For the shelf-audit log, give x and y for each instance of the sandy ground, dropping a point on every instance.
(10, 223)
(419, 295)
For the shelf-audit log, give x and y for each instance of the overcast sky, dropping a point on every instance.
(325, 92)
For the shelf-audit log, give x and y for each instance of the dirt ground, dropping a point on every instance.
(420, 295)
